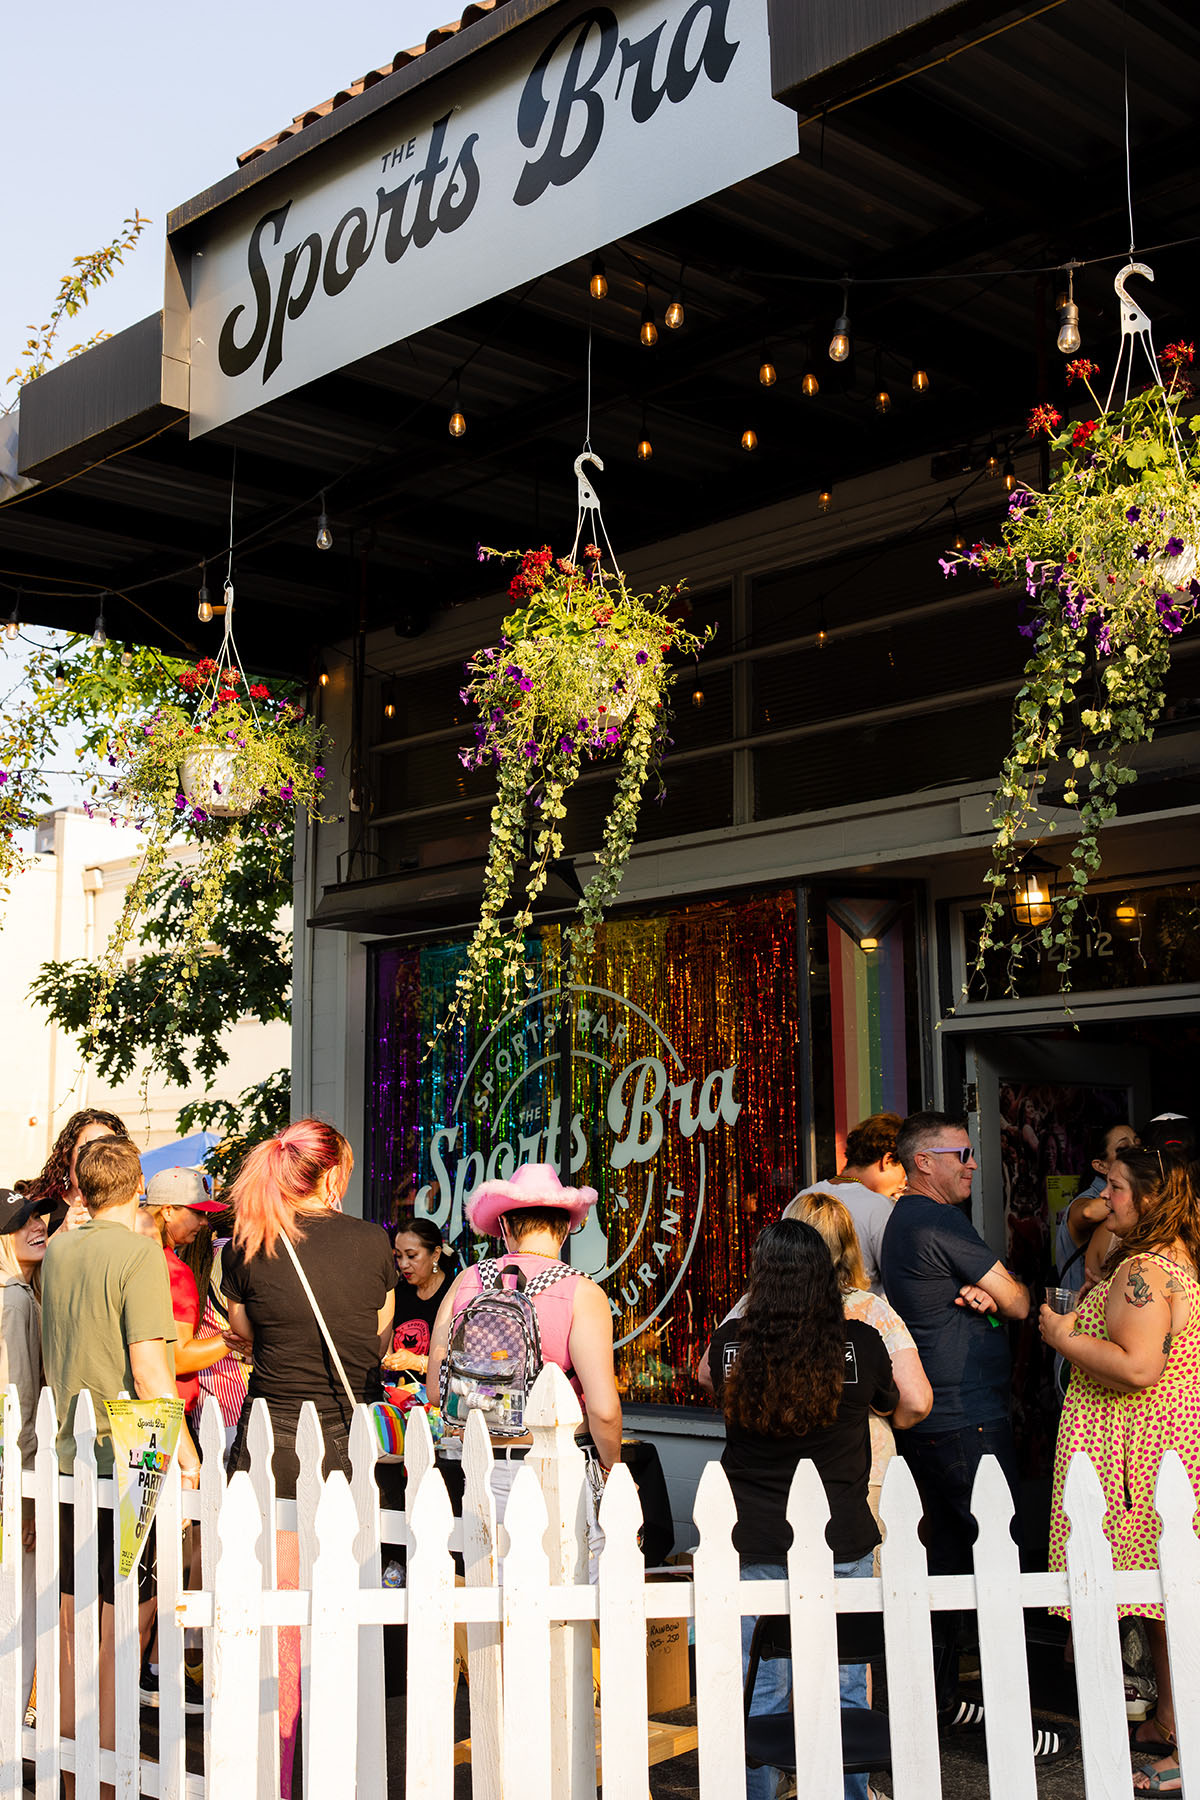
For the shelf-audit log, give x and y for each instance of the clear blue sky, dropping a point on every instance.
(141, 104)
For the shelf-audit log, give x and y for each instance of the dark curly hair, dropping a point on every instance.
(1168, 1204)
(51, 1184)
(787, 1379)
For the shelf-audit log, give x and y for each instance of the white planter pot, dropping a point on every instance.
(214, 781)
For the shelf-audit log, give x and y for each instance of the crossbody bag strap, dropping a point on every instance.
(320, 1318)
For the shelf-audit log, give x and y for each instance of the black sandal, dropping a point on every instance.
(1153, 1746)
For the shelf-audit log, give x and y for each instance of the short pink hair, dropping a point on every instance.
(278, 1181)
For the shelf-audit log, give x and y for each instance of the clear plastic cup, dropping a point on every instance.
(1061, 1299)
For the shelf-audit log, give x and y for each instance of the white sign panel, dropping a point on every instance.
(571, 134)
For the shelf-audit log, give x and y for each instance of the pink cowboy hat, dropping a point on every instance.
(533, 1184)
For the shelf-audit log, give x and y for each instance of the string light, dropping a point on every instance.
(389, 705)
(824, 499)
(645, 449)
(323, 676)
(649, 331)
(457, 424)
(324, 535)
(673, 317)
(204, 611)
(12, 624)
(697, 697)
(822, 635)
(883, 401)
(60, 677)
(598, 285)
(960, 542)
(127, 658)
(1068, 318)
(1010, 475)
(99, 635)
(920, 380)
(839, 343)
(768, 375)
(749, 439)
(810, 387)
(991, 467)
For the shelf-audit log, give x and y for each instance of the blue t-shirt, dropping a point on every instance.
(929, 1251)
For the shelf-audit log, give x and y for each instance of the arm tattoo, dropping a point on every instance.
(1174, 1285)
(1138, 1291)
(1167, 1345)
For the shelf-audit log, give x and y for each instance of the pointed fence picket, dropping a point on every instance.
(524, 1614)
(260, 1442)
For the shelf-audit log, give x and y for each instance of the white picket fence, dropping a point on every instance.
(528, 1627)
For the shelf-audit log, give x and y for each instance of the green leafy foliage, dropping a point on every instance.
(1108, 556)
(74, 291)
(258, 1112)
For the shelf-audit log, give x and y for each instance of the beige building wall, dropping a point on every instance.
(63, 908)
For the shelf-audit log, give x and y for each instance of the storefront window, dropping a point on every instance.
(1128, 938)
(680, 1050)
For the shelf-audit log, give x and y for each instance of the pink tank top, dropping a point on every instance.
(555, 1308)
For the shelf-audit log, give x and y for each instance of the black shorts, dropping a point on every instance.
(147, 1579)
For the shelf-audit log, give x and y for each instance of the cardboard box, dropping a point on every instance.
(668, 1674)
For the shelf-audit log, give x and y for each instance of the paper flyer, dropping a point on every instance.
(144, 1435)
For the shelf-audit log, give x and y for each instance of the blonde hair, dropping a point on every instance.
(827, 1215)
(10, 1264)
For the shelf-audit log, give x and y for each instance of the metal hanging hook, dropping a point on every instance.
(587, 493)
(1133, 320)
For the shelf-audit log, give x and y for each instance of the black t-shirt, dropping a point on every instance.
(760, 1468)
(929, 1252)
(349, 1266)
(415, 1317)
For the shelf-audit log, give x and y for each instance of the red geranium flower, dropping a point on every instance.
(1081, 368)
(1179, 353)
(1044, 418)
(1083, 432)
(260, 693)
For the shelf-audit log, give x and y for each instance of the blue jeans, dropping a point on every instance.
(773, 1683)
(944, 1465)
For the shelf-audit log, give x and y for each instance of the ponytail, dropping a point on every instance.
(278, 1180)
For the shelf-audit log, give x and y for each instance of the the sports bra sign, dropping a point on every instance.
(545, 146)
(648, 1128)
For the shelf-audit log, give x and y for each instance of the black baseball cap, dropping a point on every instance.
(16, 1210)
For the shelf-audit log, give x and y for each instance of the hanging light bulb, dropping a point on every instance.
(991, 467)
(457, 423)
(99, 635)
(60, 677)
(12, 624)
(839, 343)
(883, 401)
(645, 449)
(649, 330)
(598, 285)
(1010, 475)
(920, 381)
(810, 387)
(824, 500)
(204, 611)
(127, 658)
(324, 535)
(698, 697)
(1068, 319)
(749, 439)
(673, 317)
(960, 542)
(389, 706)
(323, 676)
(822, 637)
(768, 375)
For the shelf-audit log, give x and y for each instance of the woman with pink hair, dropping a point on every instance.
(292, 1247)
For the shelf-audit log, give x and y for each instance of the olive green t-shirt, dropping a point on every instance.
(104, 1287)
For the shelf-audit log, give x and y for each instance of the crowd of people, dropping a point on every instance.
(874, 1322)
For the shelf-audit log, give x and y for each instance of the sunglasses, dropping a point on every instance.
(963, 1152)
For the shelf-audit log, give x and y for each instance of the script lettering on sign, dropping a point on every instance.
(647, 1127)
(561, 137)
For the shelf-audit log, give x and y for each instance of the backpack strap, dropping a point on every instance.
(546, 1278)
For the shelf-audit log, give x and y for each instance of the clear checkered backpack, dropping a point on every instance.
(495, 1350)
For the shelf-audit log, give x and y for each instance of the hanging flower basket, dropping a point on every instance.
(1107, 557)
(580, 675)
(215, 782)
(228, 759)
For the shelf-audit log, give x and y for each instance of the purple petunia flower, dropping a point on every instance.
(180, 802)
(513, 670)
(1168, 617)
(287, 792)
(531, 748)
(612, 735)
(481, 554)
(319, 771)
(566, 745)
(3, 776)
(641, 658)
(1141, 553)
(526, 684)
(1174, 546)
(1134, 514)
(947, 567)
(199, 816)
(464, 695)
